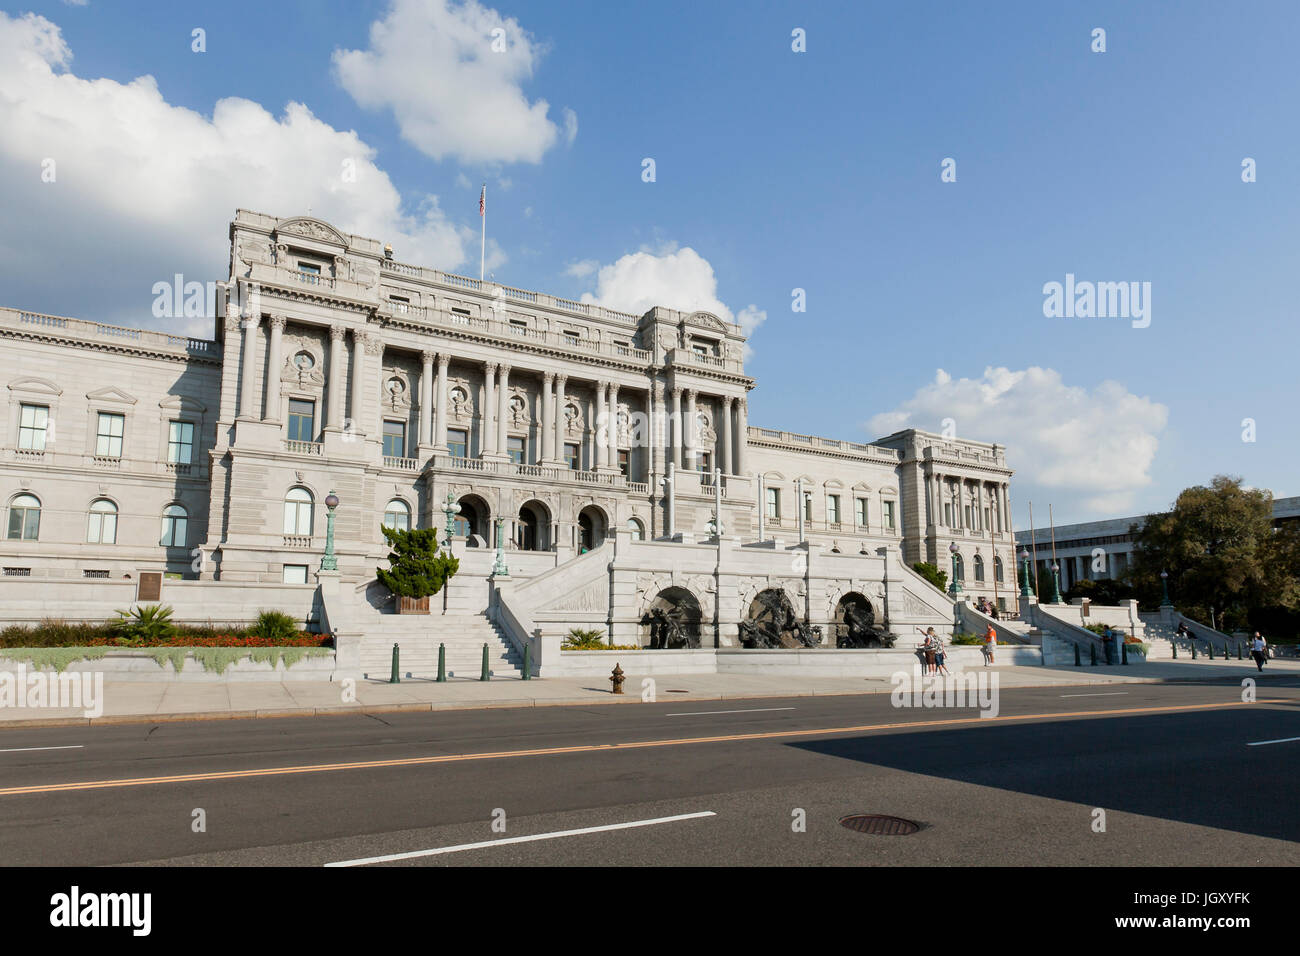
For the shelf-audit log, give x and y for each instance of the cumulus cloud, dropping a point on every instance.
(1096, 445)
(142, 189)
(454, 87)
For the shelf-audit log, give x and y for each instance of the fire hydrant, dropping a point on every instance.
(617, 678)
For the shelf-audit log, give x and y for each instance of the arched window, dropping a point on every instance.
(397, 515)
(102, 525)
(979, 568)
(961, 568)
(25, 517)
(175, 527)
(997, 570)
(637, 529)
(297, 511)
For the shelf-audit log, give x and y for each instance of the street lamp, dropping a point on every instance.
(955, 587)
(450, 509)
(1164, 586)
(330, 562)
(1056, 584)
(500, 567)
(1024, 577)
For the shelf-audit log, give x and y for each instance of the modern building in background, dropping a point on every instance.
(336, 368)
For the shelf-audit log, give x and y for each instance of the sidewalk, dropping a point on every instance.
(134, 701)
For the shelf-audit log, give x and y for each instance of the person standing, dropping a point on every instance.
(990, 644)
(1108, 643)
(929, 645)
(1259, 650)
(938, 654)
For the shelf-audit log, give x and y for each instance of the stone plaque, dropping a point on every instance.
(150, 586)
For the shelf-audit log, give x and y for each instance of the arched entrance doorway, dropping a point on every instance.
(591, 528)
(770, 621)
(473, 520)
(533, 527)
(672, 620)
(855, 622)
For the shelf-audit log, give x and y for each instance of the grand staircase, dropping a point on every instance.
(418, 637)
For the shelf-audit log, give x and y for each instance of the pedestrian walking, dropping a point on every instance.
(1259, 650)
(990, 644)
(939, 654)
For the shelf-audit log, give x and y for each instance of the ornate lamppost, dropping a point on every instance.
(1056, 584)
(499, 569)
(330, 561)
(450, 509)
(1164, 586)
(955, 587)
(1024, 576)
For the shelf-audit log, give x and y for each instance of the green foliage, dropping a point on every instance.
(1222, 554)
(416, 567)
(59, 658)
(1104, 593)
(584, 639)
(964, 638)
(932, 574)
(55, 632)
(143, 624)
(274, 626)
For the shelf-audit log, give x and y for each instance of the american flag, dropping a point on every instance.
(482, 198)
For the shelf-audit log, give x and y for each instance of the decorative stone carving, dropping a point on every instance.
(913, 606)
(518, 409)
(312, 229)
(303, 362)
(254, 250)
(397, 390)
(458, 397)
(573, 423)
(706, 320)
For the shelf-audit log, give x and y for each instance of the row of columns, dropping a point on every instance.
(951, 489)
(682, 450)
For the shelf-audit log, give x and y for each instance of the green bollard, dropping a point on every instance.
(1123, 653)
(1076, 655)
(442, 663)
(395, 679)
(528, 660)
(1211, 647)
(1092, 654)
(1173, 646)
(486, 675)
(1193, 643)
(1239, 657)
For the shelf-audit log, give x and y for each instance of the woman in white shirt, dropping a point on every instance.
(1259, 650)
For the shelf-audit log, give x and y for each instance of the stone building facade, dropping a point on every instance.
(336, 368)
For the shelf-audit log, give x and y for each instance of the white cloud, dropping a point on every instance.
(144, 189)
(432, 63)
(580, 269)
(570, 126)
(1095, 445)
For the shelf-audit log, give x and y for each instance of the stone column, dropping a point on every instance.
(655, 433)
(358, 380)
(691, 432)
(271, 407)
(560, 382)
(613, 426)
(375, 347)
(726, 435)
(742, 436)
(487, 431)
(546, 437)
(426, 395)
(503, 411)
(440, 409)
(336, 381)
(599, 413)
(676, 425)
(248, 368)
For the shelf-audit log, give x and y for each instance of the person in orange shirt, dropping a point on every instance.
(990, 642)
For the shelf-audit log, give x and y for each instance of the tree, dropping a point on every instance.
(416, 567)
(932, 574)
(1221, 552)
(1106, 592)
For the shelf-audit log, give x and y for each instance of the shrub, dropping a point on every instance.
(584, 639)
(416, 567)
(932, 574)
(274, 626)
(964, 638)
(146, 624)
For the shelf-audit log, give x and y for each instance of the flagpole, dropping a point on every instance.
(482, 247)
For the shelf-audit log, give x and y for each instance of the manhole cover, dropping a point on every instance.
(879, 825)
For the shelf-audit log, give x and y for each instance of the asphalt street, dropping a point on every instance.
(1185, 774)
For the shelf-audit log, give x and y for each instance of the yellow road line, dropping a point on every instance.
(589, 748)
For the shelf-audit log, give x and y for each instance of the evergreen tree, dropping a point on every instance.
(416, 567)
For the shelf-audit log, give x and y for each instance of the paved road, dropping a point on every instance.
(1172, 766)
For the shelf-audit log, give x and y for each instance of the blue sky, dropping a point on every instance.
(776, 170)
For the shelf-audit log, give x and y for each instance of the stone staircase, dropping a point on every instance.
(418, 637)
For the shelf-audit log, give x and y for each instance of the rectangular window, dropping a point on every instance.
(108, 437)
(833, 509)
(571, 337)
(180, 443)
(515, 448)
(460, 316)
(706, 461)
(968, 516)
(394, 439)
(309, 271)
(32, 423)
(774, 502)
(807, 506)
(571, 455)
(889, 515)
(302, 420)
(401, 303)
(988, 519)
(294, 574)
(622, 462)
(458, 442)
(861, 505)
(947, 513)
(518, 327)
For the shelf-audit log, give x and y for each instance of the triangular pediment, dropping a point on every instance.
(112, 394)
